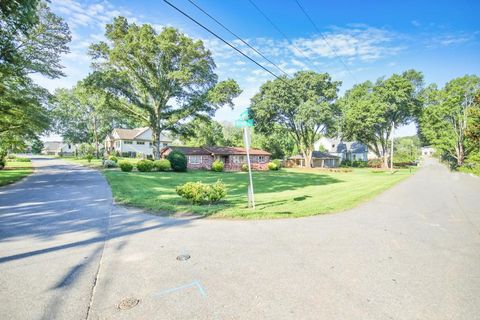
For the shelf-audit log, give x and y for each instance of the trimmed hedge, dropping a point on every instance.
(244, 167)
(113, 158)
(162, 165)
(144, 165)
(201, 193)
(217, 166)
(125, 166)
(109, 164)
(272, 166)
(178, 161)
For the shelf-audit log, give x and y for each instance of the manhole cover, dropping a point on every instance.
(183, 257)
(128, 303)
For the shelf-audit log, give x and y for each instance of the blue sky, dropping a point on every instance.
(374, 38)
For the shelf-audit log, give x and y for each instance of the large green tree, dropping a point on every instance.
(32, 40)
(165, 79)
(371, 111)
(85, 114)
(304, 106)
(449, 114)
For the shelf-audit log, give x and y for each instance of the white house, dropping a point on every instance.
(428, 151)
(58, 148)
(130, 142)
(343, 149)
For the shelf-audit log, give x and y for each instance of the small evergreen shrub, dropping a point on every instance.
(201, 193)
(20, 159)
(217, 166)
(178, 161)
(109, 164)
(144, 165)
(244, 167)
(89, 157)
(113, 158)
(162, 165)
(272, 166)
(125, 166)
(278, 162)
(2, 164)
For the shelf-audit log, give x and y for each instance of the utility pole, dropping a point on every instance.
(391, 146)
(251, 197)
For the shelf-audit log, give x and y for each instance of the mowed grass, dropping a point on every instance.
(14, 171)
(278, 194)
(94, 163)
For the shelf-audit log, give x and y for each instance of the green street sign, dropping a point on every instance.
(244, 115)
(244, 123)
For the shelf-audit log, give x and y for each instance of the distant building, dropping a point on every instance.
(58, 148)
(319, 160)
(232, 157)
(428, 151)
(130, 142)
(353, 151)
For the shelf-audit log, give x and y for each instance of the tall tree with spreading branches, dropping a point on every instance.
(165, 79)
(304, 106)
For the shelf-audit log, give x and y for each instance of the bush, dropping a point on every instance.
(162, 165)
(217, 166)
(125, 166)
(109, 164)
(178, 161)
(113, 158)
(20, 159)
(11, 157)
(2, 164)
(375, 163)
(201, 193)
(89, 157)
(145, 165)
(244, 167)
(278, 162)
(272, 166)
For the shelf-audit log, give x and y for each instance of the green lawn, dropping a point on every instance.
(14, 171)
(94, 163)
(278, 194)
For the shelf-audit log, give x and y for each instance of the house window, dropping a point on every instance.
(140, 142)
(262, 159)
(117, 144)
(194, 159)
(333, 146)
(239, 159)
(127, 142)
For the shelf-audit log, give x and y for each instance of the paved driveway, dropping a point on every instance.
(411, 253)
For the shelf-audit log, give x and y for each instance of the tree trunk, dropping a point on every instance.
(460, 155)
(95, 136)
(156, 143)
(307, 155)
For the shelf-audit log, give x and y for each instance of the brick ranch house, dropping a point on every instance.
(232, 157)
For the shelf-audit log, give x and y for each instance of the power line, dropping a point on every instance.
(238, 37)
(223, 40)
(278, 29)
(325, 39)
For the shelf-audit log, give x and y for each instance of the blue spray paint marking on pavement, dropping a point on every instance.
(194, 283)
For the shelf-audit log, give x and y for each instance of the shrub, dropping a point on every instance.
(272, 166)
(125, 166)
(375, 163)
(244, 167)
(278, 162)
(20, 159)
(217, 166)
(113, 158)
(178, 161)
(145, 165)
(89, 157)
(109, 164)
(11, 157)
(162, 165)
(201, 193)
(2, 164)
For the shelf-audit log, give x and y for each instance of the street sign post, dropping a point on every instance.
(244, 122)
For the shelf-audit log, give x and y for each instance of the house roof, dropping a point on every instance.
(129, 134)
(216, 151)
(236, 151)
(346, 146)
(315, 155)
(52, 145)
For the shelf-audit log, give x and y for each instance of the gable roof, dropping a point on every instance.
(315, 155)
(215, 151)
(132, 134)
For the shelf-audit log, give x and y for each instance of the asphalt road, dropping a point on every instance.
(411, 253)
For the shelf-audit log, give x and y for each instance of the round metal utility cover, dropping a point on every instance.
(128, 303)
(183, 257)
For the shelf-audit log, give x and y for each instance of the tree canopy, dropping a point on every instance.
(450, 117)
(165, 79)
(304, 106)
(370, 111)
